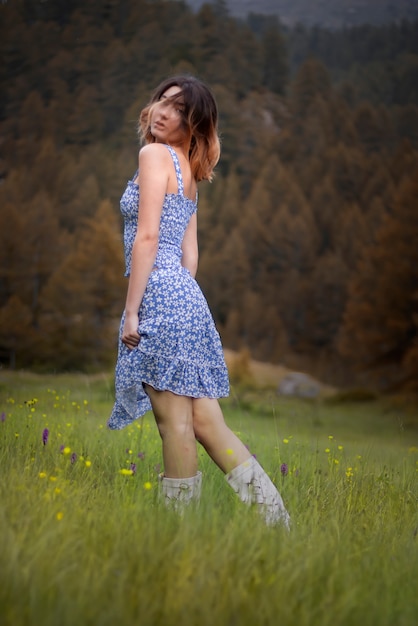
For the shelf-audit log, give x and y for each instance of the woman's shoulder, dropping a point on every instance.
(154, 151)
(154, 156)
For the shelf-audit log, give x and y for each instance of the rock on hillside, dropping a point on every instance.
(287, 382)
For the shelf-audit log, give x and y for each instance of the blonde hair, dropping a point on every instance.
(200, 121)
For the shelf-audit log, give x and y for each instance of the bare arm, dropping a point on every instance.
(189, 247)
(153, 179)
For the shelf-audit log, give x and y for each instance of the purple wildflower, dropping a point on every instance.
(62, 448)
(284, 469)
(133, 468)
(73, 458)
(141, 455)
(3, 417)
(45, 436)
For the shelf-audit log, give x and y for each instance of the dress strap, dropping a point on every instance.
(178, 170)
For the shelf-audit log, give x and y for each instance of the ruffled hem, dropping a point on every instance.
(180, 376)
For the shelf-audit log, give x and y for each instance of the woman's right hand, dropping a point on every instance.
(130, 335)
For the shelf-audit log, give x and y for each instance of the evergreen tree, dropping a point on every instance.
(86, 119)
(349, 171)
(373, 128)
(312, 80)
(30, 244)
(16, 333)
(406, 123)
(275, 65)
(328, 298)
(353, 234)
(380, 328)
(325, 202)
(312, 163)
(83, 300)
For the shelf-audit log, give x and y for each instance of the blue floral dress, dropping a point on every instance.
(179, 348)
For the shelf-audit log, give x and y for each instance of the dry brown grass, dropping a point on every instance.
(263, 374)
(245, 370)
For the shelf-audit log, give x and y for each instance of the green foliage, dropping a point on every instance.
(319, 137)
(77, 523)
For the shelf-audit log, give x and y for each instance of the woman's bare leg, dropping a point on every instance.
(174, 417)
(243, 473)
(222, 445)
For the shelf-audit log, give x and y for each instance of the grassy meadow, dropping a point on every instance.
(85, 542)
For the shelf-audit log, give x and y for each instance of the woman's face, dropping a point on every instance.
(166, 121)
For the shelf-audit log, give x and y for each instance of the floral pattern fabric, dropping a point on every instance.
(179, 348)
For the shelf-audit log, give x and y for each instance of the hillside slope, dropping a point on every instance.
(328, 13)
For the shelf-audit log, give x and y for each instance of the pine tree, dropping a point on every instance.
(312, 80)
(82, 302)
(325, 203)
(328, 298)
(349, 171)
(275, 65)
(380, 330)
(374, 128)
(16, 333)
(118, 85)
(86, 119)
(31, 243)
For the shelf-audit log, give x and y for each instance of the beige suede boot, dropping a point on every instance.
(253, 486)
(180, 492)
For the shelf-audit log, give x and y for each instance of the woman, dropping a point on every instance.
(170, 356)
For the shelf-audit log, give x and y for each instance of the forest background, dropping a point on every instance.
(308, 235)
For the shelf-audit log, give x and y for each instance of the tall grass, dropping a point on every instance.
(85, 541)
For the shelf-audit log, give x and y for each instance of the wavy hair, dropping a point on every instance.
(200, 121)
